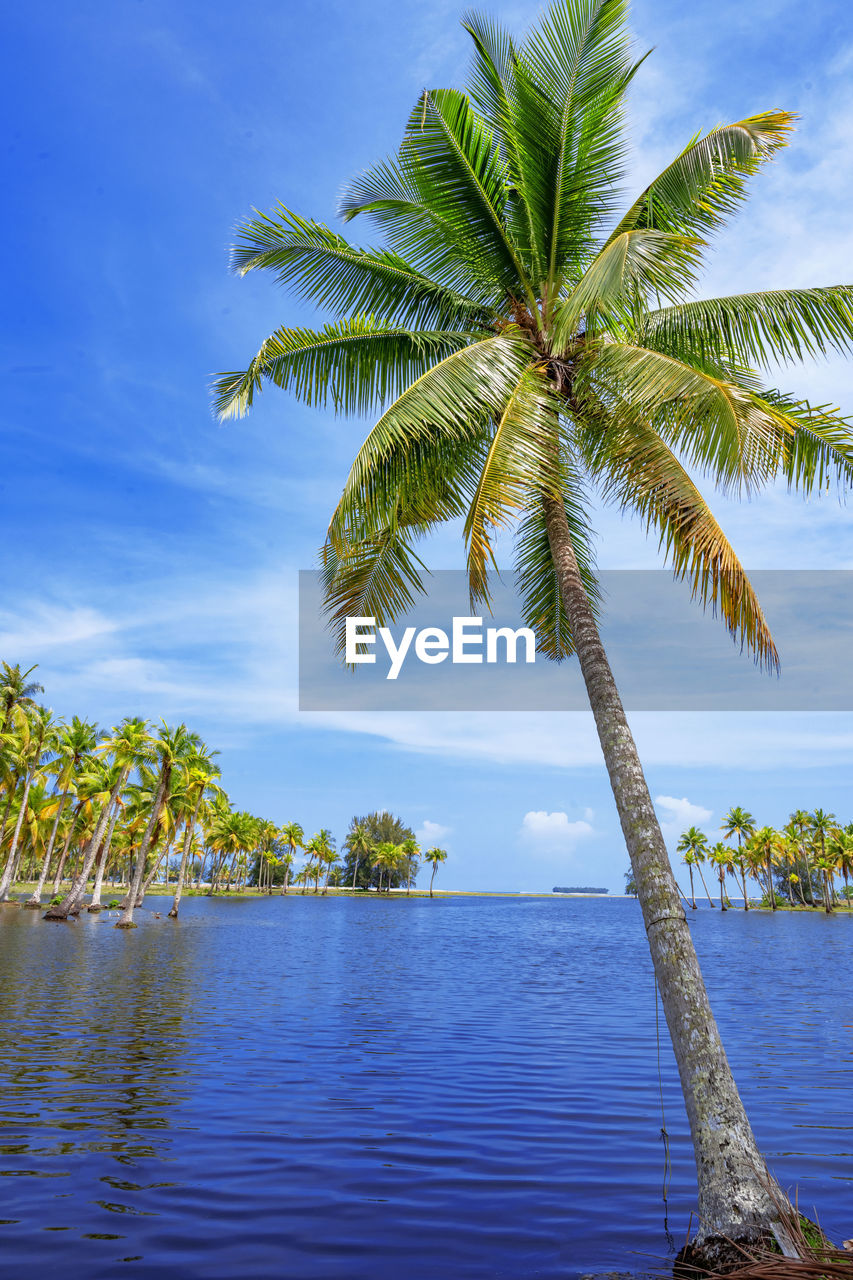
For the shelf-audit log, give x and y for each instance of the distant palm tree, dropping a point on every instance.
(75, 741)
(821, 825)
(693, 844)
(293, 836)
(360, 846)
(739, 822)
(435, 857)
(411, 851)
(36, 749)
(721, 856)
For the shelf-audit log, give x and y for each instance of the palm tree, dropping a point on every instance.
(201, 774)
(292, 835)
(36, 747)
(515, 322)
(128, 744)
(172, 748)
(360, 846)
(16, 690)
(435, 856)
(76, 741)
(763, 850)
(739, 822)
(821, 825)
(693, 844)
(721, 856)
(411, 851)
(385, 858)
(800, 824)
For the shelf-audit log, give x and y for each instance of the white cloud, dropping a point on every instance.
(552, 832)
(676, 815)
(429, 833)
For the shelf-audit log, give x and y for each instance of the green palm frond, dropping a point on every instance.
(636, 470)
(377, 577)
(578, 57)
(536, 575)
(320, 266)
(521, 458)
(756, 328)
(450, 156)
(708, 180)
(640, 263)
(357, 364)
(815, 444)
(716, 422)
(452, 402)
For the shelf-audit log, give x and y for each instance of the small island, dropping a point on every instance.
(577, 889)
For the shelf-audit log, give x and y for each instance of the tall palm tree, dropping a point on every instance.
(75, 742)
(361, 846)
(292, 835)
(200, 781)
(515, 322)
(821, 825)
(36, 750)
(800, 823)
(739, 822)
(435, 857)
(16, 690)
(128, 744)
(693, 844)
(171, 748)
(721, 856)
(411, 852)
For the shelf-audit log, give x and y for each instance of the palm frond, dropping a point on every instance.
(637, 263)
(320, 266)
(713, 420)
(453, 401)
(815, 444)
(358, 364)
(756, 328)
(521, 459)
(707, 181)
(637, 471)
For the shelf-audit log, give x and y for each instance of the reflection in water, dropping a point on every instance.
(330, 1088)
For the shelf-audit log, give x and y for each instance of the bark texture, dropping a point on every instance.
(737, 1196)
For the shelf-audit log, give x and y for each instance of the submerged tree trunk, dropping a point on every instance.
(738, 1198)
(125, 920)
(103, 863)
(185, 853)
(8, 878)
(70, 904)
(34, 901)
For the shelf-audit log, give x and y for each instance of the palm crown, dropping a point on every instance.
(527, 343)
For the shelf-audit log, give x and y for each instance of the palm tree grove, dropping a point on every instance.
(90, 813)
(238, 1044)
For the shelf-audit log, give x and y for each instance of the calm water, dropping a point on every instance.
(323, 1088)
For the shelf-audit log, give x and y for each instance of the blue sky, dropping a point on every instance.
(150, 556)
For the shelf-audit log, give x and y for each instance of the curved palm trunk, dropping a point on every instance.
(70, 904)
(711, 902)
(11, 862)
(355, 871)
(432, 877)
(723, 906)
(125, 920)
(286, 880)
(60, 866)
(737, 1196)
(185, 852)
(34, 901)
(771, 892)
(103, 862)
(692, 890)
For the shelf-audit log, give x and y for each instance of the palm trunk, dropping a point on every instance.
(103, 862)
(692, 890)
(723, 906)
(355, 871)
(432, 877)
(70, 903)
(57, 880)
(185, 852)
(770, 890)
(11, 862)
(34, 901)
(711, 902)
(737, 1197)
(125, 920)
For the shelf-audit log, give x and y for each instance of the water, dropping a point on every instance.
(337, 1089)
